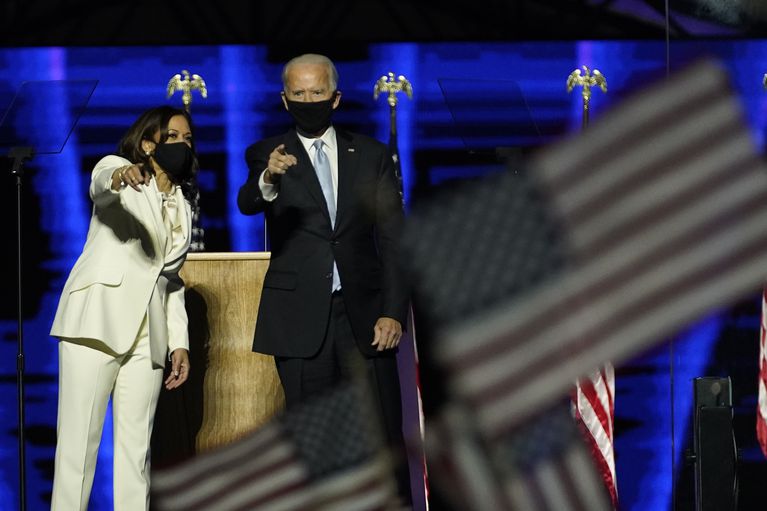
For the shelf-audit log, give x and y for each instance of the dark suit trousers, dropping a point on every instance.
(338, 360)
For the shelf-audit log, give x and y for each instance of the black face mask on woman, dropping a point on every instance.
(311, 118)
(175, 159)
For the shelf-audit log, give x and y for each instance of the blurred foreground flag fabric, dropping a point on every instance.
(324, 455)
(543, 465)
(604, 245)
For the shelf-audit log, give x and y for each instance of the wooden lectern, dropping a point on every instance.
(240, 389)
(231, 390)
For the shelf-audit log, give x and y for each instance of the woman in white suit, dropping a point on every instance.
(121, 312)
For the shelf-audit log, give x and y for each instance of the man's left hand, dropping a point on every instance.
(387, 334)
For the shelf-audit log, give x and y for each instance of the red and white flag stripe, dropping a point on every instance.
(595, 410)
(421, 418)
(761, 412)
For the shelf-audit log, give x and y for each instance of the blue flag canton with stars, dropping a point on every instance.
(334, 431)
(474, 247)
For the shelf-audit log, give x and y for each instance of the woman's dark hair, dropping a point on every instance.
(150, 122)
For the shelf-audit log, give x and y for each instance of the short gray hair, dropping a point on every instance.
(312, 58)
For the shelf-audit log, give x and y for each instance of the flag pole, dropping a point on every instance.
(601, 382)
(586, 80)
(186, 82)
(390, 86)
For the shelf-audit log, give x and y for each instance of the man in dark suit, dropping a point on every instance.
(333, 295)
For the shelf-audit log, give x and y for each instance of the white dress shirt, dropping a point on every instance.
(270, 191)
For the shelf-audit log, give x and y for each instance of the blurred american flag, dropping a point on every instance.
(606, 244)
(323, 455)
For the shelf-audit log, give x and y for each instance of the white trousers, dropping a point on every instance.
(88, 374)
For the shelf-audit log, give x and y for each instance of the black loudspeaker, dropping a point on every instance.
(715, 452)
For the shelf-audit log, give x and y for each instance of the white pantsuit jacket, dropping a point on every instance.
(128, 261)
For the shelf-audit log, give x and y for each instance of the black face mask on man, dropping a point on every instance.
(175, 159)
(311, 118)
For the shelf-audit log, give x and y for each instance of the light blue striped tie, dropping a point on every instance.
(322, 168)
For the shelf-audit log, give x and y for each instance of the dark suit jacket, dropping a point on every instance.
(295, 302)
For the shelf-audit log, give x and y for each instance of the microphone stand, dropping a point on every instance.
(19, 155)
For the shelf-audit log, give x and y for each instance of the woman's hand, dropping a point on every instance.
(179, 371)
(131, 175)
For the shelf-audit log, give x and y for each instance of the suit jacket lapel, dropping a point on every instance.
(304, 171)
(347, 166)
(181, 227)
(151, 196)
